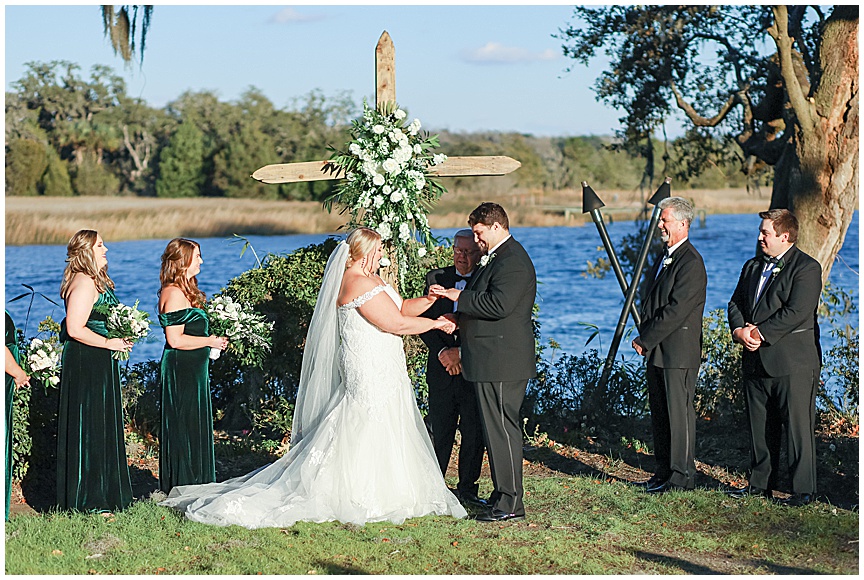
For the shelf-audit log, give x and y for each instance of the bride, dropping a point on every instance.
(359, 449)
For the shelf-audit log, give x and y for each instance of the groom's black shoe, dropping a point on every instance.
(653, 482)
(496, 515)
(468, 499)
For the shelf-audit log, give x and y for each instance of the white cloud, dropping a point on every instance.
(289, 16)
(497, 53)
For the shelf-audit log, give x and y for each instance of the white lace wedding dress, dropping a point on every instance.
(367, 459)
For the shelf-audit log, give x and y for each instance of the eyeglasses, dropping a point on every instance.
(461, 252)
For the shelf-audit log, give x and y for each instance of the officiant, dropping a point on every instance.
(452, 399)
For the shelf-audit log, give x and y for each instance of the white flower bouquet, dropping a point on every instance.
(387, 185)
(41, 360)
(125, 322)
(249, 334)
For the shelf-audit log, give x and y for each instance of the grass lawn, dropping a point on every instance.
(576, 525)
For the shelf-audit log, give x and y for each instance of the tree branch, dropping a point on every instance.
(694, 116)
(800, 104)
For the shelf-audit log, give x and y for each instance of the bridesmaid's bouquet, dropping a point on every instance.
(41, 360)
(248, 332)
(125, 322)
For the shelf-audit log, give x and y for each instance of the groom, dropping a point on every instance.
(494, 316)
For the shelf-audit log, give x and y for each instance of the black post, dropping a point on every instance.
(591, 203)
(662, 193)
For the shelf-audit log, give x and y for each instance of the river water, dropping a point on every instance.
(560, 254)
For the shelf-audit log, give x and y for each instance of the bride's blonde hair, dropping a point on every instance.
(361, 242)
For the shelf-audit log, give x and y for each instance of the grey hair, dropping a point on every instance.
(682, 210)
(464, 233)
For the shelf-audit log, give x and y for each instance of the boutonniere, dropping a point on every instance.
(484, 260)
(667, 262)
(777, 267)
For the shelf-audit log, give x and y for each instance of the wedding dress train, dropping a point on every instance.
(366, 458)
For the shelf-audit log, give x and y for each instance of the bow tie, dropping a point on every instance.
(769, 259)
(461, 278)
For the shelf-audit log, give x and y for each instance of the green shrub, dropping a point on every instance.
(141, 398)
(719, 388)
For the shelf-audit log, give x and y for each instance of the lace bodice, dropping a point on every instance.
(367, 353)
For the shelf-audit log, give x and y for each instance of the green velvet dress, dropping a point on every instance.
(92, 473)
(12, 345)
(186, 436)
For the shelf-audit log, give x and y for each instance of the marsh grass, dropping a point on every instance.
(53, 220)
(575, 525)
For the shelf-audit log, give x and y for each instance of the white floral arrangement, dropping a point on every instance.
(387, 185)
(41, 360)
(249, 333)
(126, 322)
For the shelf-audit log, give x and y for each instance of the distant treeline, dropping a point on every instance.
(67, 135)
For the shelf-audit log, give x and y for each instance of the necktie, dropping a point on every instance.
(766, 275)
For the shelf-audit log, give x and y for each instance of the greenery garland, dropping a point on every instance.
(387, 186)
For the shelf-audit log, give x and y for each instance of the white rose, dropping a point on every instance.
(378, 179)
(378, 201)
(384, 230)
(421, 251)
(354, 148)
(378, 129)
(396, 196)
(384, 262)
(54, 380)
(390, 166)
(399, 114)
(418, 148)
(386, 190)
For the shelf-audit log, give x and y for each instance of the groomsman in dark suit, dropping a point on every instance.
(670, 339)
(452, 399)
(773, 314)
(498, 355)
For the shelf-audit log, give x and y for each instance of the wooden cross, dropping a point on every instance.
(385, 91)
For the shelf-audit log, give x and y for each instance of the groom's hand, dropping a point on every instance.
(639, 347)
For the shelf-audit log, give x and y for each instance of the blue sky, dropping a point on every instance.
(482, 67)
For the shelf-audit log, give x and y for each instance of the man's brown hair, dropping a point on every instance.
(784, 222)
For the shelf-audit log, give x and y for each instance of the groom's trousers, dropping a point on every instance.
(499, 409)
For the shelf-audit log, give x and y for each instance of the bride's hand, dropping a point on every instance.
(445, 324)
(436, 291)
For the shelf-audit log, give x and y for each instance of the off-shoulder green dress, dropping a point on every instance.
(186, 436)
(12, 345)
(92, 473)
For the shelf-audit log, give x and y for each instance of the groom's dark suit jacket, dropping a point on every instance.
(495, 318)
(785, 314)
(672, 308)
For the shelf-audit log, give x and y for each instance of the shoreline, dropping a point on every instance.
(52, 221)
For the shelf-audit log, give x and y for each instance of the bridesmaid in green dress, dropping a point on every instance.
(186, 436)
(92, 473)
(15, 379)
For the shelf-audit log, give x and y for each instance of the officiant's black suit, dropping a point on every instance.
(452, 399)
(671, 333)
(494, 313)
(780, 377)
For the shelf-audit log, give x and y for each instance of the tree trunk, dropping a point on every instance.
(817, 175)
